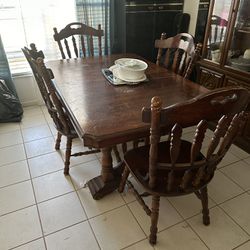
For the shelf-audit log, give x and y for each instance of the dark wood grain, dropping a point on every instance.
(104, 115)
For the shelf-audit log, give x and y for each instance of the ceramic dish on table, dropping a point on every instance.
(130, 69)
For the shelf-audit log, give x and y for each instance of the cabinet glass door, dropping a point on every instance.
(218, 29)
(239, 52)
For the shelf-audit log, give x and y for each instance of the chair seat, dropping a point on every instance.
(137, 160)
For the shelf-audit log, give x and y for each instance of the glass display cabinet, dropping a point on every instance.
(226, 51)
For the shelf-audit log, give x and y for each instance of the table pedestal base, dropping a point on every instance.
(99, 188)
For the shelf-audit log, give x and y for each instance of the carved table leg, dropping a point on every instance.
(109, 179)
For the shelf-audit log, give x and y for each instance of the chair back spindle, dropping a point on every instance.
(78, 32)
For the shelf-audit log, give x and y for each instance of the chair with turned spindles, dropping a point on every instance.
(82, 37)
(178, 167)
(177, 53)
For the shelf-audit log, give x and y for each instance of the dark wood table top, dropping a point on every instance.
(105, 115)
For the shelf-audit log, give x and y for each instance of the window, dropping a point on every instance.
(29, 21)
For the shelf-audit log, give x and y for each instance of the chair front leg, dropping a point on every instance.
(124, 179)
(67, 155)
(154, 219)
(205, 210)
(58, 141)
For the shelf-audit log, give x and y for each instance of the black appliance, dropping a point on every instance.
(146, 20)
(201, 20)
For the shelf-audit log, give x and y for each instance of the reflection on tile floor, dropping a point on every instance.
(42, 209)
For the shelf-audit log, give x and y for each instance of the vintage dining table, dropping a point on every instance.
(105, 115)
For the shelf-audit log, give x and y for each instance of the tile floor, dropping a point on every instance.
(41, 209)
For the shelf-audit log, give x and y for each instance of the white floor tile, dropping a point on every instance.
(228, 159)
(39, 147)
(78, 237)
(52, 128)
(188, 205)
(245, 246)
(9, 127)
(95, 207)
(61, 212)
(45, 164)
(34, 245)
(142, 245)
(13, 173)
(179, 237)
(238, 208)
(240, 173)
(167, 214)
(12, 154)
(222, 188)
(52, 185)
(82, 173)
(32, 110)
(238, 152)
(116, 229)
(19, 227)
(16, 196)
(75, 142)
(35, 133)
(33, 121)
(247, 160)
(222, 233)
(9, 139)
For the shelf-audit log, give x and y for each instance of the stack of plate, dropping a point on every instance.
(241, 63)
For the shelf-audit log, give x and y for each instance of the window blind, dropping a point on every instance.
(29, 21)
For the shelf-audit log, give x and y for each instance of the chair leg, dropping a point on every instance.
(58, 141)
(124, 147)
(117, 155)
(124, 179)
(205, 210)
(154, 219)
(67, 155)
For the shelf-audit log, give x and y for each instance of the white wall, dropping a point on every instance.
(27, 90)
(191, 7)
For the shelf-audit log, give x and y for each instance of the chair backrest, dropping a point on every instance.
(43, 77)
(177, 53)
(188, 168)
(217, 31)
(34, 54)
(79, 43)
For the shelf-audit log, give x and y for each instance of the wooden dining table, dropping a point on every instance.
(104, 115)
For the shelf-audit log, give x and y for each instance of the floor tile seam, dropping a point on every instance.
(54, 197)
(11, 145)
(232, 180)
(23, 244)
(32, 126)
(15, 183)
(231, 163)
(124, 248)
(103, 213)
(233, 197)
(196, 233)
(248, 233)
(17, 210)
(42, 175)
(37, 139)
(235, 248)
(33, 156)
(34, 194)
(130, 210)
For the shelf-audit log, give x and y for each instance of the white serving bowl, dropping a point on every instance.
(131, 69)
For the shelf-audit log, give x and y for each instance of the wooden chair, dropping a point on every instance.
(56, 109)
(86, 35)
(177, 53)
(177, 167)
(217, 31)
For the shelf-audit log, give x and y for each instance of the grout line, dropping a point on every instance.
(23, 244)
(38, 213)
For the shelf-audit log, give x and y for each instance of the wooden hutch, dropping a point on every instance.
(226, 51)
